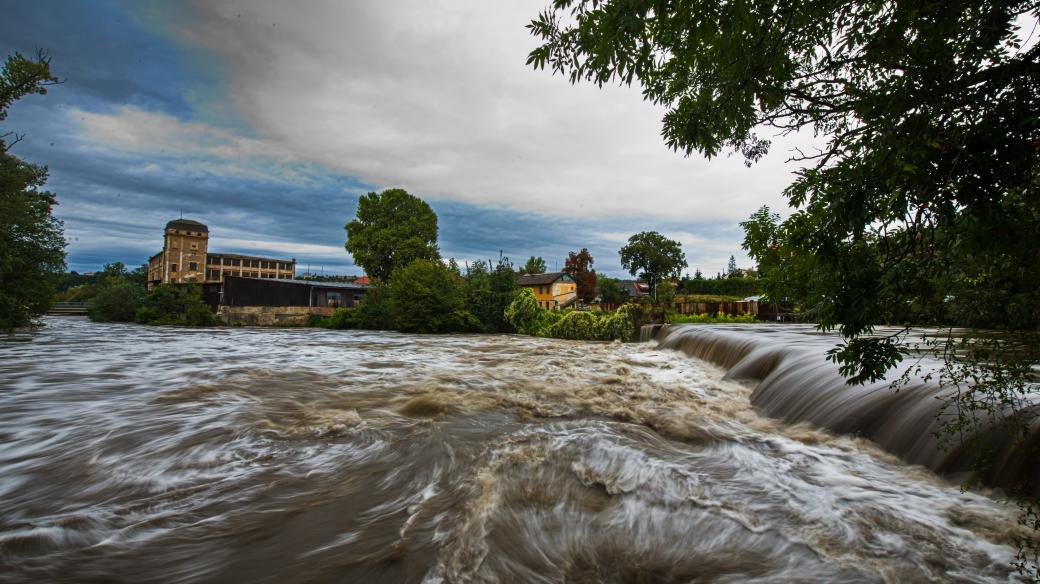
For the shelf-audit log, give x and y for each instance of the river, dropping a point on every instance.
(147, 454)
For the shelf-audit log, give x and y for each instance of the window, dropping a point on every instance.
(194, 246)
(193, 266)
(173, 267)
(235, 262)
(227, 261)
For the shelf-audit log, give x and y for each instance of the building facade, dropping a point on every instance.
(553, 290)
(185, 257)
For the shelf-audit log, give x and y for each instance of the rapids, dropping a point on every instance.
(150, 454)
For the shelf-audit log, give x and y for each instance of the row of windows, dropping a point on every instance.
(215, 274)
(236, 262)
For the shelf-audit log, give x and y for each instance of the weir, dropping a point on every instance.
(793, 381)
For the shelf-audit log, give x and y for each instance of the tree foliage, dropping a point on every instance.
(32, 244)
(118, 293)
(391, 230)
(489, 292)
(653, 257)
(921, 204)
(579, 266)
(175, 304)
(929, 114)
(534, 265)
(610, 292)
(425, 298)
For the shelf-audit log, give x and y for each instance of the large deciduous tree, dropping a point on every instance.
(579, 266)
(653, 257)
(921, 202)
(32, 244)
(391, 230)
(930, 116)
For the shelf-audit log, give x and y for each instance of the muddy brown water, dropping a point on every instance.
(142, 454)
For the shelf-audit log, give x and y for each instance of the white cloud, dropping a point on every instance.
(435, 97)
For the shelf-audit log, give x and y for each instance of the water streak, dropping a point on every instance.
(230, 455)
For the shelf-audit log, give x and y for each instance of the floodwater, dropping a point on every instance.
(144, 454)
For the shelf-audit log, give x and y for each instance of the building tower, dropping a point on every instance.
(184, 252)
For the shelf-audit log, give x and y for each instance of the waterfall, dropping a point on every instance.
(793, 381)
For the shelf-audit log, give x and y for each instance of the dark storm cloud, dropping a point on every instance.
(148, 126)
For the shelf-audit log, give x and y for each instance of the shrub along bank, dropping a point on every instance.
(428, 306)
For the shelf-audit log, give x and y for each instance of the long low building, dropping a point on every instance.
(264, 301)
(186, 258)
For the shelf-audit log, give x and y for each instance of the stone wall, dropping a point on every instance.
(269, 315)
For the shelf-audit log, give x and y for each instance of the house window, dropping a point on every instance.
(194, 246)
(193, 266)
(173, 267)
(227, 261)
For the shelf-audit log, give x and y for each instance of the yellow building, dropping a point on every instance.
(185, 257)
(553, 290)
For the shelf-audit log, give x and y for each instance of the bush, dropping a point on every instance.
(719, 318)
(576, 325)
(341, 318)
(373, 312)
(528, 318)
(115, 302)
(80, 293)
(424, 298)
(523, 313)
(172, 304)
(619, 325)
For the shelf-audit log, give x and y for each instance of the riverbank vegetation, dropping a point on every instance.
(119, 295)
(921, 204)
(717, 318)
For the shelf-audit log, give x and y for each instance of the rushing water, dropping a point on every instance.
(228, 455)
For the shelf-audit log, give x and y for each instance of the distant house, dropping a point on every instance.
(634, 288)
(553, 290)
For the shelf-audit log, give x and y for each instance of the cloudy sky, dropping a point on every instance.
(266, 120)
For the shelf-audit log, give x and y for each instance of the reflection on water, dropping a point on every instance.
(164, 455)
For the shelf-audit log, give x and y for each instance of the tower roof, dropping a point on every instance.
(187, 224)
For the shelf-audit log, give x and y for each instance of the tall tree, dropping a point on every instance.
(392, 229)
(534, 265)
(924, 200)
(731, 266)
(653, 257)
(579, 266)
(32, 244)
(930, 112)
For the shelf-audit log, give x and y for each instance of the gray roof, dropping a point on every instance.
(312, 283)
(187, 224)
(542, 279)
